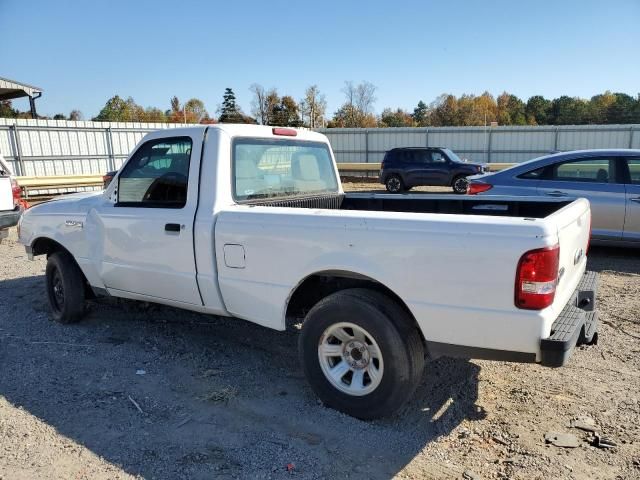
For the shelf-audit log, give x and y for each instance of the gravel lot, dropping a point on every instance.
(141, 390)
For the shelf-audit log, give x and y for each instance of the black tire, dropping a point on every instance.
(391, 328)
(460, 184)
(65, 288)
(394, 184)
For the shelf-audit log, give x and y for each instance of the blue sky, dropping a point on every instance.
(83, 52)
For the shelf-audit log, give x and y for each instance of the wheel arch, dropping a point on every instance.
(48, 246)
(316, 286)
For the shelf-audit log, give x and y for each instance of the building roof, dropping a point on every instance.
(10, 89)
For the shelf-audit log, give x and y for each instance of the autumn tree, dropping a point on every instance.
(511, 110)
(75, 115)
(313, 107)
(357, 111)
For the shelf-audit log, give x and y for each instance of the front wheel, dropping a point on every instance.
(361, 353)
(394, 184)
(65, 288)
(460, 185)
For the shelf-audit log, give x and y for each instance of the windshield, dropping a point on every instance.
(452, 156)
(264, 168)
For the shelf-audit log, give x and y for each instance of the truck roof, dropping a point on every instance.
(248, 130)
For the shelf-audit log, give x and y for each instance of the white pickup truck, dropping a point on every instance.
(251, 222)
(10, 199)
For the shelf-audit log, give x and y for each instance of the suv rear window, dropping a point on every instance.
(264, 168)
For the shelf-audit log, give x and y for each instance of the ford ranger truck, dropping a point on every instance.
(251, 222)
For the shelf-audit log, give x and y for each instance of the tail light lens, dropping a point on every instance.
(537, 277)
(478, 187)
(16, 191)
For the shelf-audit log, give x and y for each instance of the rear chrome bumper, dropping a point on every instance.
(577, 324)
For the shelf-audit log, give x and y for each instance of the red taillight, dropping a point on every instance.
(537, 277)
(16, 191)
(287, 132)
(475, 188)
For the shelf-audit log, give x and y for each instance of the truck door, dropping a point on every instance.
(144, 239)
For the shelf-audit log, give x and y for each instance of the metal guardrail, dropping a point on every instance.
(74, 181)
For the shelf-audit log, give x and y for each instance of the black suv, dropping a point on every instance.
(403, 168)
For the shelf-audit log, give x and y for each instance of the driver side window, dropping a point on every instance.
(156, 175)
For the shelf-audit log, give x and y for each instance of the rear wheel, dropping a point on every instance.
(65, 288)
(394, 184)
(460, 184)
(361, 353)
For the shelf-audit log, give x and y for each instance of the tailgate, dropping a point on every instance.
(6, 194)
(573, 223)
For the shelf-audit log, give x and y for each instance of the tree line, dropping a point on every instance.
(268, 107)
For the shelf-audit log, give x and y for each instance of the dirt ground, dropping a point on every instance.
(147, 391)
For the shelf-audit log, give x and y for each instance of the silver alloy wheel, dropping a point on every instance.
(393, 184)
(350, 359)
(460, 185)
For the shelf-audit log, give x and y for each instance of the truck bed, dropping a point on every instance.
(529, 207)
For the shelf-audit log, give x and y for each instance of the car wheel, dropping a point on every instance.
(65, 288)
(460, 185)
(361, 353)
(394, 184)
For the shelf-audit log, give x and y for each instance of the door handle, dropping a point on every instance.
(172, 227)
(556, 193)
(635, 199)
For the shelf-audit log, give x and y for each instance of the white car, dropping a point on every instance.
(252, 222)
(10, 199)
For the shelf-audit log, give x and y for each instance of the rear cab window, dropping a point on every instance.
(269, 168)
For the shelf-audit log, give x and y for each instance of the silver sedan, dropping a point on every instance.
(609, 179)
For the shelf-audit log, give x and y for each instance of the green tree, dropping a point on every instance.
(396, 118)
(119, 110)
(567, 110)
(229, 112)
(538, 110)
(59, 116)
(6, 110)
(421, 114)
(623, 109)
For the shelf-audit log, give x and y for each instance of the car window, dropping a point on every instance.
(594, 170)
(157, 174)
(634, 170)
(410, 156)
(533, 174)
(437, 157)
